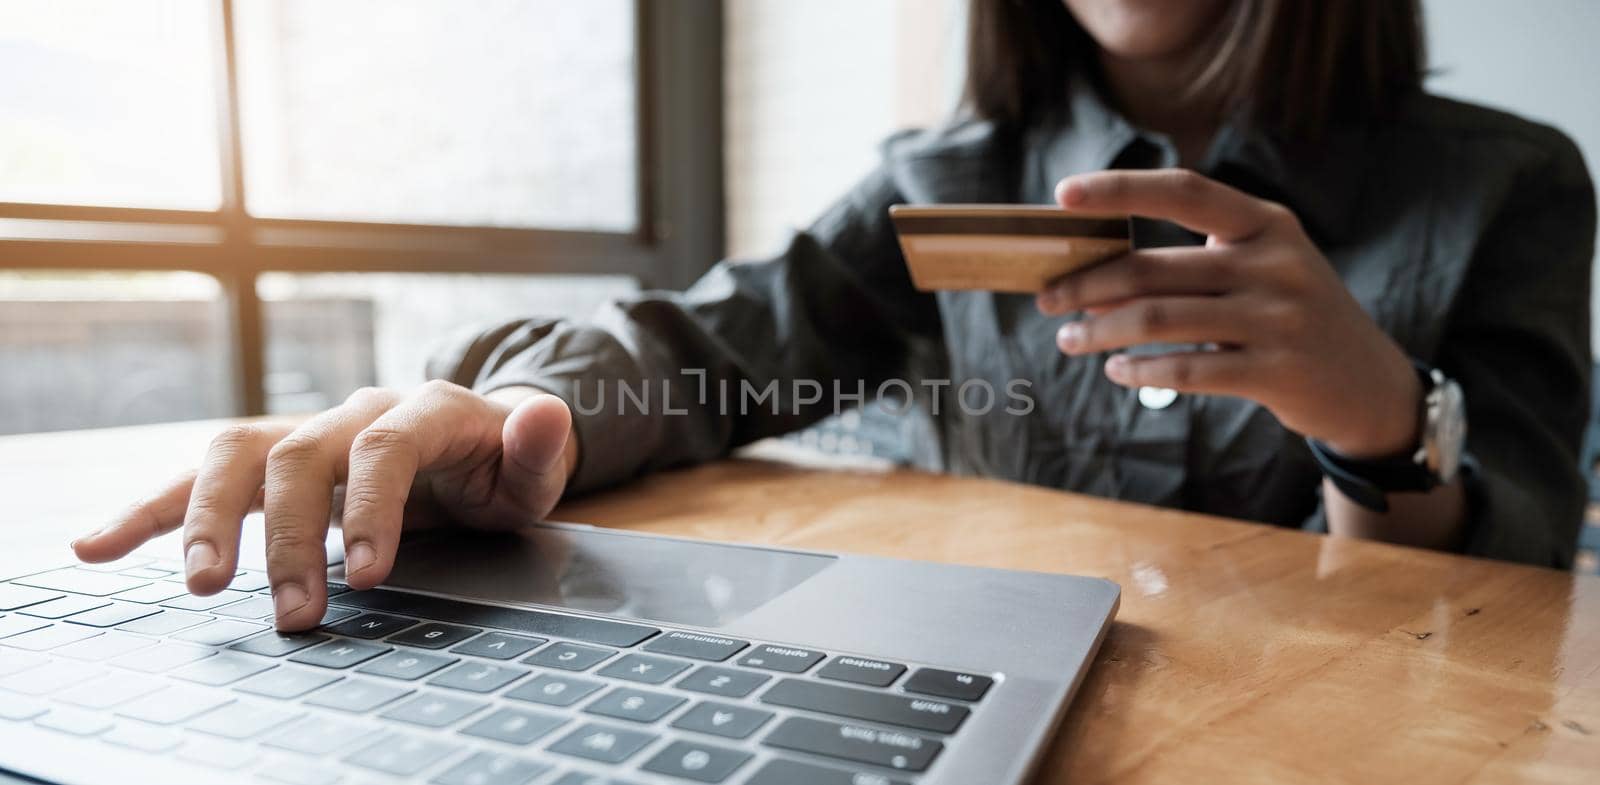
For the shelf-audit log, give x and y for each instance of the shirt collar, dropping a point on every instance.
(1320, 182)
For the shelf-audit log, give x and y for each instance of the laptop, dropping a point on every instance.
(557, 655)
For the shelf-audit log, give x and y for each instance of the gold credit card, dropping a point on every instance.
(1003, 247)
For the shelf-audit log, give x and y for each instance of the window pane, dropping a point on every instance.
(93, 349)
(108, 103)
(495, 112)
(330, 333)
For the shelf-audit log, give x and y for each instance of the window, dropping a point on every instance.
(516, 114)
(118, 111)
(295, 197)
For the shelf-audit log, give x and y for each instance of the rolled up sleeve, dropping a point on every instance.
(834, 308)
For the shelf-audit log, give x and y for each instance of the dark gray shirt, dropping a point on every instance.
(1467, 235)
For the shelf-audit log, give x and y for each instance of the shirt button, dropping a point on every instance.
(1157, 398)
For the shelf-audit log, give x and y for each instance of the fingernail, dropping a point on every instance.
(199, 558)
(288, 598)
(1049, 300)
(359, 557)
(1070, 336)
(1070, 192)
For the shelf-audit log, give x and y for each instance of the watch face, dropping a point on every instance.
(1449, 430)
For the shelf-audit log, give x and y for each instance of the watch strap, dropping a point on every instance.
(1369, 483)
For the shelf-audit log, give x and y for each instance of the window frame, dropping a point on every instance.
(679, 232)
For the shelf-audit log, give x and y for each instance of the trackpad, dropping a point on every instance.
(703, 584)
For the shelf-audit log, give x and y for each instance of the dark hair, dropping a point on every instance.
(1290, 66)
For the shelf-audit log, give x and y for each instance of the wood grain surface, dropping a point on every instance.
(1242, 653)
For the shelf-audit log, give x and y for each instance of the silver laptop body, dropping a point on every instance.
(560, 655)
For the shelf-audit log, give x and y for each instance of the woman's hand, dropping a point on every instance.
(1288, 334)
(494, 461)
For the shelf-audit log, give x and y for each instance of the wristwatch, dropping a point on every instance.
(1434, 462)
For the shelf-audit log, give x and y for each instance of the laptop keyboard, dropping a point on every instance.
(401, 686)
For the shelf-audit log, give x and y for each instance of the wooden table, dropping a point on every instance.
(1242, 653)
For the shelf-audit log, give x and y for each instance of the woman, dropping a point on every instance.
(1313, 229)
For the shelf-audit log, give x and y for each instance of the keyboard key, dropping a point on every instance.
(570, 656)
(19, 708)
(278, 644)
(357, 696)
(894, 749)
(339, 654)
(125, 563)
(334, 614)
(581, 778)
(48, 638)
(434, 711)
(13, 596)
(249, 580)
(555, 625)
(192, 602)
(240, 721)
(145, 738)
(110, 691)
(782, 771)
(112, 615)
(334, 589)
(294, 772)
(433, 635)
(370, 625)
(104, 647)
(286, 682)
(251, 608)
(626, 703)
(224, 755)
(723, 719)
(17, 661)
(406, 665)
(165, 623)
(726, 682)
(856, 670)
(76, 581)
(401, 755)
(162, 657)
(225, 668)
(604, 743)
(478, 677)
(514, 726)
(50, 677)
(64, 606)
(698, 762)
(640, 668)
(910, 712)
(16, 625)
(948, 684)
(488, 768)
(553, 690)
(75, 722)
(784, 659)
(174, 705)
(157, 592)
(499, 646)
(148, 573)
(696, 645)
(318, 736)
(220, 632)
